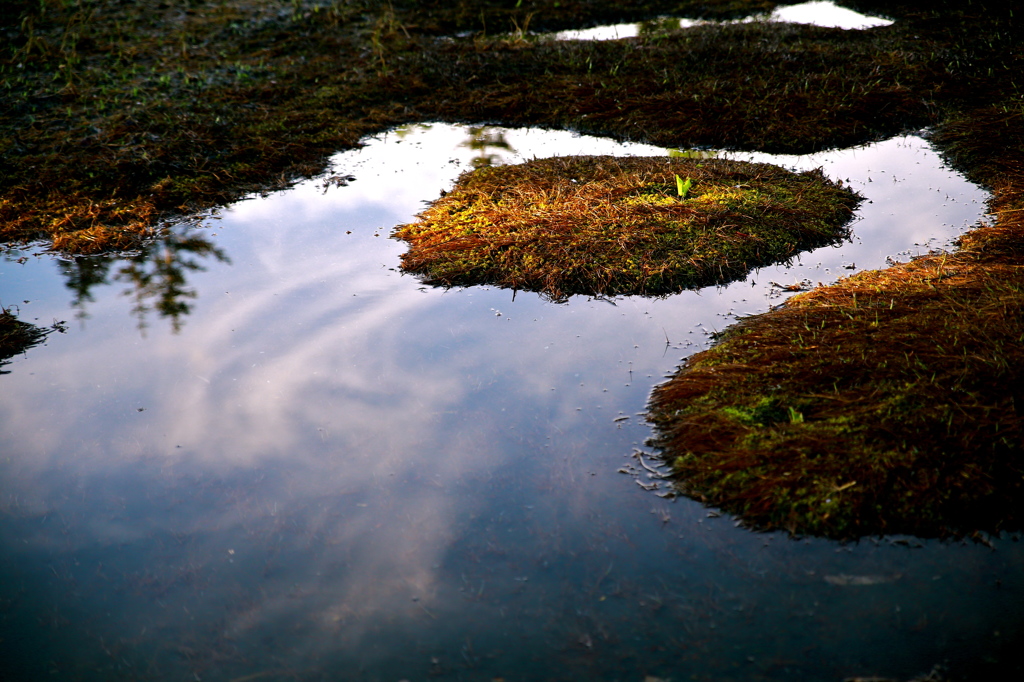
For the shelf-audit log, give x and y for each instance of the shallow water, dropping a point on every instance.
(817, 13)
(331, 471)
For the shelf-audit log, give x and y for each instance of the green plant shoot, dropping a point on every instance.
(683, 188)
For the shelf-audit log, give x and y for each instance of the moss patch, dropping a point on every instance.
(117, 113)
(602, 225)
(891, 402)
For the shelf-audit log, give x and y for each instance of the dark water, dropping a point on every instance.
(262, 453)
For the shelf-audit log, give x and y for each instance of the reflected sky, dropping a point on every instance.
(327, 466)
(817, 13)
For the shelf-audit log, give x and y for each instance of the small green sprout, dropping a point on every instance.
(683, 188)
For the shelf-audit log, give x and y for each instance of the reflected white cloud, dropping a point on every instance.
(828, 14)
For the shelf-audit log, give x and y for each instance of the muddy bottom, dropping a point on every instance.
(262, 452)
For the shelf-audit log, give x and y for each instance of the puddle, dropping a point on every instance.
(825, 14)
(308, 464)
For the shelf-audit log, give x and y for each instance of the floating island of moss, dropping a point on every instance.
(607, 226)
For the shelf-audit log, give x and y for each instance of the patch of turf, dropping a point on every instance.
(891, 402)
(601, 225)
(117, 114)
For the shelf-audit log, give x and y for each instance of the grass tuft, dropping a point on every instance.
(610, 226)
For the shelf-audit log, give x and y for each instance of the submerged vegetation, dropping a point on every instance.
(888, 402)
(602, 225)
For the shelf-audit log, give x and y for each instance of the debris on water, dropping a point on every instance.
(803, 285)
(337, 181)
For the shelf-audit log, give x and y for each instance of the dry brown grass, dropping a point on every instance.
(890, 402)
(614, 226)
(154, 113)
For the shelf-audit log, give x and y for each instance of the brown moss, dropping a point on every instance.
(890, 402)
(155, 113)
(600, 225)
(906, 381)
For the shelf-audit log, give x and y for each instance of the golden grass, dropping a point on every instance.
(617, 226)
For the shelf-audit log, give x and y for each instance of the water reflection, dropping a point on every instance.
(157, 275)
(490, 145)
(333, 472)
(17, 336)
(816, 13)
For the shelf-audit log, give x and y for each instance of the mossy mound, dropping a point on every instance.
(602, 225)
(889, 403)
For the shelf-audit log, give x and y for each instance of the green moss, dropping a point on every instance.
(767, 412)
(611, 226)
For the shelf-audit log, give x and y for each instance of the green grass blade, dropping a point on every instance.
(683, 188)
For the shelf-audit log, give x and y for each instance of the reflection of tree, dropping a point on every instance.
(657, 27)
(17, 336)
(481, 139)
(693, 153)
(81, 275)
(157, 275)
(405, 131)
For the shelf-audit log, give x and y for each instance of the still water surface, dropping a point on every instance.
(818, 13)
(300, 463)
